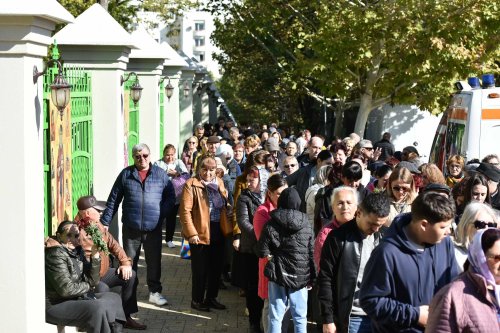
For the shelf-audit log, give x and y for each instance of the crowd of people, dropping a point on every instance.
(354, 235)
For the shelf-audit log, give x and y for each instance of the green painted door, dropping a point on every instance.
(161, 96)
(133, 121)
(81, 134)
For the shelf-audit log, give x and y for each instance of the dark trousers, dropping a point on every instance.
(133, 240)
(251, 274)
(206, 269)
(92, 315)
(170, 220)
(113, 279)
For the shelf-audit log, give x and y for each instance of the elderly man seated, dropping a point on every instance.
(90, 209)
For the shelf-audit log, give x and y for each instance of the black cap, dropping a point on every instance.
(435, 187)
(89, 201)
(489, 171)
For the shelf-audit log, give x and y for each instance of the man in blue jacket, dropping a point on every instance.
(413, 261)
(147, 196)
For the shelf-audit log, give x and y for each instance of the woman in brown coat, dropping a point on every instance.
(202, 207)
(471, 302)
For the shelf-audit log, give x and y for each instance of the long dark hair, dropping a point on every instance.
(476, 179)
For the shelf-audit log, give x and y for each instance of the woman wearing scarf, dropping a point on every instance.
(203, 204)
(471, 302)
(248, 202)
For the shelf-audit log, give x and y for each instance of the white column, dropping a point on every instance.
(24, 41)
(171, 110)
(186, 109)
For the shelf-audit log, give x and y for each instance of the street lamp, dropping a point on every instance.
(169, 88)
(59, 89)
(186, 89)
(135, 89)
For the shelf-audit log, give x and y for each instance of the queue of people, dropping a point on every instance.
(359, 237)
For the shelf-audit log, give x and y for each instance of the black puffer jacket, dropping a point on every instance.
(288, 238)
(67, 273)
(246, 206)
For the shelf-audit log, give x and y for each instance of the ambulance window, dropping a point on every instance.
(454, 136)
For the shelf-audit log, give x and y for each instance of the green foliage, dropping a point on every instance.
(366, 53)
(169, 9)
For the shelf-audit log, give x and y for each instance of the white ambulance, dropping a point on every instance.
(470, 126)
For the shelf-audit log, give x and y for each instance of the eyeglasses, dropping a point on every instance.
(138, 157)
(192, 143)
(399, 188)
(483, 224)
(289, 166)
(76, 235)
(495, 258)
(455, 166)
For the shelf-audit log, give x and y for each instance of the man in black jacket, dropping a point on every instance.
(343, 259)
(385, 146)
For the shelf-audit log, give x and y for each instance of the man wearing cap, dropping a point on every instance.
(90, 209)
(148, 196)
(213, 142)
(492, 173)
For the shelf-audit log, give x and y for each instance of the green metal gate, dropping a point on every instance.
(133, 121)
(81, 139)
(161, 95)
(81, 134)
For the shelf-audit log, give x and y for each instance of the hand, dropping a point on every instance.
(126, 272)
(424, 314)
(172, 173)
(236, 244)
(376, 153)
(329, 328)
(194, 239)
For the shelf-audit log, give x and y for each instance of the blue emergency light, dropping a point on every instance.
(474, 82)
(488, 81)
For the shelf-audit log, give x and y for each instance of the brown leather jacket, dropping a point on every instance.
(194, 209)
(114, 248)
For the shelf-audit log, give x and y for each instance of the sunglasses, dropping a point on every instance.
(289, 166)
(483, 224)
(138, 157)
(496, 258)
(192, 143)
(368, 148)
(73, 235)
(399, 188)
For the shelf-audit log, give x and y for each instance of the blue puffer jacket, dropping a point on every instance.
(144, 204)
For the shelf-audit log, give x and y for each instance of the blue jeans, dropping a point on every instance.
(360, 324)
(279, 298)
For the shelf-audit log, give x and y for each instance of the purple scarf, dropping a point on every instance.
(478, 262)
(214, 195)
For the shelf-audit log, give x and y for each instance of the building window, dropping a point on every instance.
(200, 56)
(199, 25)
(199, 41)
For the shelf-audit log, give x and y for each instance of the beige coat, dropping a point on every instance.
(194, 210)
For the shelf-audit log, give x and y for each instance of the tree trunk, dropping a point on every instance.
(365, 108)
(339, 122)
(104, 4)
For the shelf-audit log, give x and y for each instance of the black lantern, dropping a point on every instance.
(135, 89)
(186, 90)
(169, 90)
(60, 89)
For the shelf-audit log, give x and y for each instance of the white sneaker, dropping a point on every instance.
(157, 299)
(170, 244)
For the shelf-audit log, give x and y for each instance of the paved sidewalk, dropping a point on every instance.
(178, 315)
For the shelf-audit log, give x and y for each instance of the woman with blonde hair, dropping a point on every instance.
(401, 191)
(251, 143)
(476, 216)
(189, 153)
(454, 170)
